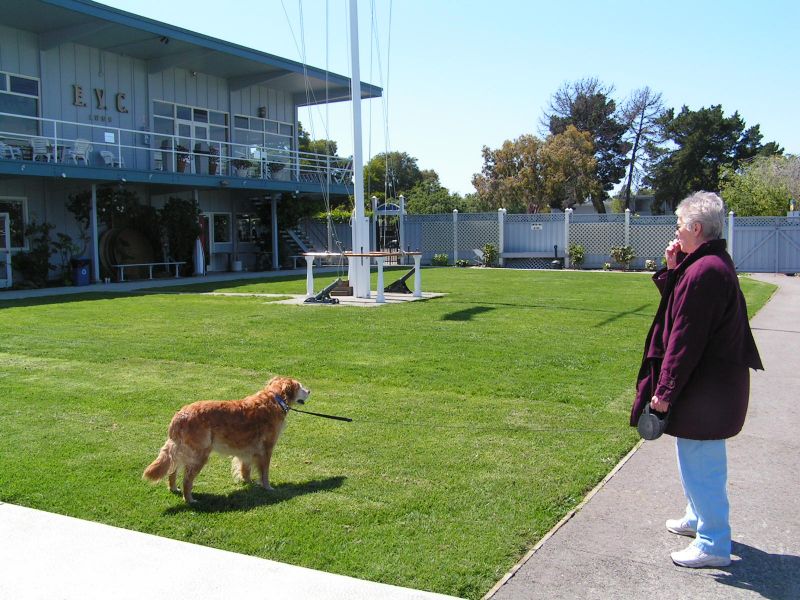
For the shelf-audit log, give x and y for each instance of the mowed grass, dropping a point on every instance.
(479, 418)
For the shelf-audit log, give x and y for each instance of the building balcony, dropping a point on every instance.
(48, 147)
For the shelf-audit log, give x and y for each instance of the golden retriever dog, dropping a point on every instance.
(246, 429)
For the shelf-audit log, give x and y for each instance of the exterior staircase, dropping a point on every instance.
(296, 240)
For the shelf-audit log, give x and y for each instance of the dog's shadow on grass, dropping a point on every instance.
(253, 496)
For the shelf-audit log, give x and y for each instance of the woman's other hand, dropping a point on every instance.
(658, 405)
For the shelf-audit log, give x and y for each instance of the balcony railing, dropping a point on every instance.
(97, 145)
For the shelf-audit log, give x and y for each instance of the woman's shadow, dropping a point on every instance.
(774, 576)
(252, 496)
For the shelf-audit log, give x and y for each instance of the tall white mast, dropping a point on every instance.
(359, 268)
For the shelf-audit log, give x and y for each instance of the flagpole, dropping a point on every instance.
(359, 272)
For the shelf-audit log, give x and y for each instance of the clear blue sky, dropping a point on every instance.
(459, 75)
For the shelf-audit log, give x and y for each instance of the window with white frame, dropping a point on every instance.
(19, 95)
(200, 125)
(256, 133)
(17, 209)
(222, 228)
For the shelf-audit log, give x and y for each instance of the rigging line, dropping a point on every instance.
(386, 87)
(369, 135)
(374, 44)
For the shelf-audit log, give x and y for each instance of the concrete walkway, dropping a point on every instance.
(51, 557)
(145, 284)
(616, 545)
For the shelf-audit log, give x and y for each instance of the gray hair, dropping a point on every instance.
(705, 208)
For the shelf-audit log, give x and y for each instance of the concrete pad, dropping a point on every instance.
(47, 557)
(389, 298)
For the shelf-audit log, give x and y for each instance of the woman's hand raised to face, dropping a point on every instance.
(671, 254)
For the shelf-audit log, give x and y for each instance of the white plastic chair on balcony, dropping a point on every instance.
(110, 160)
(41, 147)
(7, 151)
(79, 151)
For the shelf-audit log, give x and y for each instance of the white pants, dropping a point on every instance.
(703, 467)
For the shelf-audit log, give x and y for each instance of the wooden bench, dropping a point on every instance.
(529, 255)
(294, 258)
(176, 263)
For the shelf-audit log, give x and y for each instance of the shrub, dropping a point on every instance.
(440, 260)
(650, 264)
(623, 255)
(463, 262)
(34, 264)
(490, 255)
(606, 266)
(577, 254)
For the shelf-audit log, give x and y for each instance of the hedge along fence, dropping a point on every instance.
(757, 244)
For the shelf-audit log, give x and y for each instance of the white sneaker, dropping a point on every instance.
(694, 558)
(681, 527)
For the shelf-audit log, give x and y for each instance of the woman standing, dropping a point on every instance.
(696, 366)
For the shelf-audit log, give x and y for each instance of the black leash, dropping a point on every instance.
(308, 412)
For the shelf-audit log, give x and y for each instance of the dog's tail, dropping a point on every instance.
(163, 464)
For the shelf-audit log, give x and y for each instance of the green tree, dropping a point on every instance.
(569, 168)
(511, 177)
(587, 105)
(429, 196)
(321, 146)
(763, 186)
(389, 174)
(529, 175)
(641, 115)
(701, 143)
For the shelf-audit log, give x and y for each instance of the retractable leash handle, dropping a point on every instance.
(652, 424)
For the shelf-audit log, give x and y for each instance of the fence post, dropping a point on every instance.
(455, 235)
(501, 212)
(730, 235)
(567, 214)
(374, 233)
(402, 218)
(627, 227)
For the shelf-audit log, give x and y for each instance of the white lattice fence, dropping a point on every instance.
(441, 234)
(760, 244)
(474, 232)
(649, 237)
(597, 234)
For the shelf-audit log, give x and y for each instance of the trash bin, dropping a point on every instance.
(80, 271)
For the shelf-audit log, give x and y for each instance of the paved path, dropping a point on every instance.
(44, 556)
(616, 545)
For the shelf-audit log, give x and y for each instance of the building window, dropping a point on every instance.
(222, 228)
(251, 134)
(16, 209)
(249, 229)
(198, 126)
(19, 95)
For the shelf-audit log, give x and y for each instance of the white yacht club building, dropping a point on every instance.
(94, 101)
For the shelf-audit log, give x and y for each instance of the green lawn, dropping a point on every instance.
(480, 418)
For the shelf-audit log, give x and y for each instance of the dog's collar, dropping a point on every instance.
(282, 403)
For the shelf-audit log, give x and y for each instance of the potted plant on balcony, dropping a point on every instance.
(242, 166)
(182, 157)
(213, 160)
